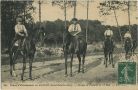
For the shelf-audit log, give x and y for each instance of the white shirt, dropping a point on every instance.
(74, 28)
(108, 33)
(20, 28)
(127, 35)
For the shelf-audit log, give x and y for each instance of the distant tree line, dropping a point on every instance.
(53, 30)
(49, 31)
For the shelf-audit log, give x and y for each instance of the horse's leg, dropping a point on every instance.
(83, 61)
(24, 65)
(109, 56)
(79, 58)
(71, 64)
(126, 54)
(30, 66)
(112, 59)
(15, 56)
(106, 59)
(66, 56)
(11, 63)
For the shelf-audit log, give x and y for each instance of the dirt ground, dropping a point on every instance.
(52, 72)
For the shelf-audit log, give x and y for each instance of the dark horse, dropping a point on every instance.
(128, 48)
(28, 50)
(69, 45)
(108, 51)
(134, 46)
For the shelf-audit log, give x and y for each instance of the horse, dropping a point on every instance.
(128, 47)
(134, 46)
(108, 51)
(69, 45)
(27, 51)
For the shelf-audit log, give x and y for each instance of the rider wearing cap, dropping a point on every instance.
(128, 36)
(20, 31)
(108, 33)
(75, 29)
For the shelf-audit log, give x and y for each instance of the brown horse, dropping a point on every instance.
(28, 50)
(128, 48)
(108, 51)
(69, 45)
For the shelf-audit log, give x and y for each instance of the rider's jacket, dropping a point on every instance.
(20, 28)
(108, 33)
(74, 29)
(127, 35)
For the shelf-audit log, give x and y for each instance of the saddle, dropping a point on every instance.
(19, 44)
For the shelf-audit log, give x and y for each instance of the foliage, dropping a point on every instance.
(10, 10)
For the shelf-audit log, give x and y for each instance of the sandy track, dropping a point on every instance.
(53, 72)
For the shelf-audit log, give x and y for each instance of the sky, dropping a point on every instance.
(52, 13)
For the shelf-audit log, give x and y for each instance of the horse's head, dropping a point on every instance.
(67, 37)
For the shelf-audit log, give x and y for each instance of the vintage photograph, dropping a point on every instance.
(69, 43)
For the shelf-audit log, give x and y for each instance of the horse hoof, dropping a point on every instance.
(14, 74)
(30, 78)
(22, 79)
(70, 75)
(113, 66)
(78, 71)
(65, 75)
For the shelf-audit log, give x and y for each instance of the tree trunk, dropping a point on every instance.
(129, 14)
(74, 14)
(87, 20)
(118, 25)
(39, 11)
(65, 14)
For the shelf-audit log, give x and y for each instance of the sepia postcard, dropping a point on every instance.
(69, 44)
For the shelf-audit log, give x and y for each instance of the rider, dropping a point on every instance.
(109, 34)
(20, 32)
(128, 36)
(74, 30)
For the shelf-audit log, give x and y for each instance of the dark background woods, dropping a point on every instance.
(49, 32)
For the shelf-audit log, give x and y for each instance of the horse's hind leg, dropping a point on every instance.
(30, 66)
(110, 57)
(126, 55)
(66, 56)
(106, 59)
(112, 60)
(15, 55)
(79, 58)
(23, 68)
(11, 64)
(71, 65)
(83, 61)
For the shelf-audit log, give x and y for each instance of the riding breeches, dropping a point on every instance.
(18, 37)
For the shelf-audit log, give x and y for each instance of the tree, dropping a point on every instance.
(10, 10)
(64, 4)
(107, 6)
